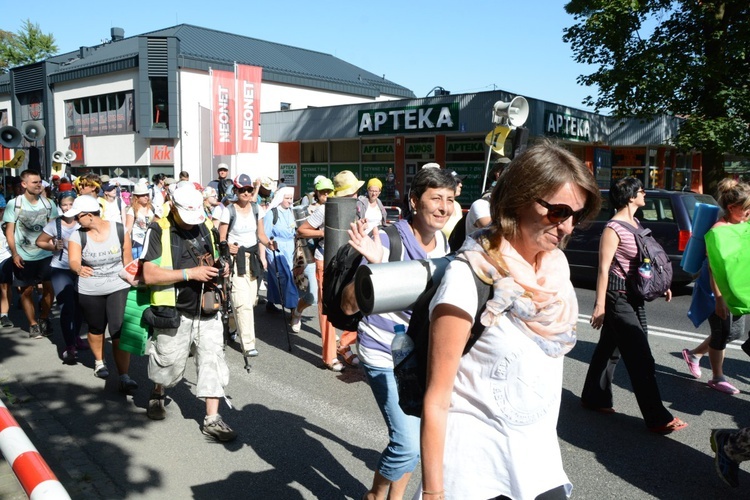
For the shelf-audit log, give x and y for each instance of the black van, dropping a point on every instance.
(669, 215)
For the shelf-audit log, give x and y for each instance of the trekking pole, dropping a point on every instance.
(276, 255)
(228, 305)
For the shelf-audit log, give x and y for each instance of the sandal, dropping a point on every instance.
(675, 425)
(695, 368)
(336, 366)
(350, 358)
(723, 386)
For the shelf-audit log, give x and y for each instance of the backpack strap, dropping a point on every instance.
(58, 226)
(84, 238)
(120, 233)
(484, 293)
(396, 244)
(275, 212)
(232, 217)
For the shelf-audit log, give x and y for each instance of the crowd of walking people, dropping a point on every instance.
(199, 250)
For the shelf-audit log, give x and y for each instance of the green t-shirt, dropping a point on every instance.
(30, 221)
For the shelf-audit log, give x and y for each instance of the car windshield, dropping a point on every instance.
(691, 200)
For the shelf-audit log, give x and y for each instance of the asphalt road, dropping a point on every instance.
(306, 432)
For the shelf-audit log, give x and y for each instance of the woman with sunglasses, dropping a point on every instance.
(54, 238)
(88, 185)
(239, 228)
(622, 317)
(490, 416)
(138, 216)
(101, 292)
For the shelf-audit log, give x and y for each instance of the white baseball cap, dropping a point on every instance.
(83, 205)
(189, 204)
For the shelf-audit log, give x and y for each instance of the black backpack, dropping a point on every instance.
(661, 267)
(340, 271)
(458, 235)
(120, 235)
(412, 382)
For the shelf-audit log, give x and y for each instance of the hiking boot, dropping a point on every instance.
(251, 353)
(101, 371)
(45, 326)
(127, 384)
(727, 468)
(5, 322)
(35, 332)
(70, 356)
(218, 430)
(156, 410)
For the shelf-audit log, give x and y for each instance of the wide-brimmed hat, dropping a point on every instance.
(83, 205)
(209, 192)
(189, 204)
(346, 183)
(140, 189)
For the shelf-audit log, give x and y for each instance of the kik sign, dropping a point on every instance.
(566, 126)
(436, 118)
(162, 155)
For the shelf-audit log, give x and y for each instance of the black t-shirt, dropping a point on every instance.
(188, 292)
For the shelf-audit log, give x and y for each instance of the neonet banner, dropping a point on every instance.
(236, 110)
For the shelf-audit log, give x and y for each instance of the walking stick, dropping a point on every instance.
(276, 254)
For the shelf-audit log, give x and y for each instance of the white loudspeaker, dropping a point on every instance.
(33, 131)
(70, 156)
(10, 137)
(58, 156)
(513, 113)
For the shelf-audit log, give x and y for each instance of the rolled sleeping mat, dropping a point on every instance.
(340, 213)
(395, 286)
(704, 217)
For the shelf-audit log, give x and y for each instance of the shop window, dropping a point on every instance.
(314, 152)
(465, 149)
(159, 99)
(344, 151)
(419, 148)
(285, 106)
(100, 115)
(378, 150)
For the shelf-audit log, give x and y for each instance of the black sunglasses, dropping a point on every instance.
(559, 213)
(245, 190)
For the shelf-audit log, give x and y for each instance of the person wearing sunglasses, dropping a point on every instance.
(239, 228)
(490, 416)
(622, 317)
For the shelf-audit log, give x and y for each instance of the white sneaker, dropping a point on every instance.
(296, 321)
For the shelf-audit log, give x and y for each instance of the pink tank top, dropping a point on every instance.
(625, 261)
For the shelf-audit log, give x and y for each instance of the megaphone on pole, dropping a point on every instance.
(513, 113)
(70, 156)
(58, 156)
(33, 131)
(10, 137)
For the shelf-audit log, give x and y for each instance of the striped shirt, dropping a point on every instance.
(625, 261)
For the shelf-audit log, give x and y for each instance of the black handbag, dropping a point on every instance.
(163, 317)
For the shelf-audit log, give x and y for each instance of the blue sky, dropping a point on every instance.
(464, 46)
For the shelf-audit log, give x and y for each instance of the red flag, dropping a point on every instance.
(223, 112)
(248, 107)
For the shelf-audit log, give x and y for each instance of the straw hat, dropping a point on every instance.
(346, 184)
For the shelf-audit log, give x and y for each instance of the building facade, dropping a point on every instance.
(136, 106)
(452, 130)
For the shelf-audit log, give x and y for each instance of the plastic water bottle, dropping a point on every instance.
(645, 269)
(401, 345)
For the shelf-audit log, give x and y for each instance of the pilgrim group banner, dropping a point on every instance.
(236, 110)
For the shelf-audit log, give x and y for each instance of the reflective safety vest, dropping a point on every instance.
(165, 295)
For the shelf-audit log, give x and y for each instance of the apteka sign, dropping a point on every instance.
(435, 118)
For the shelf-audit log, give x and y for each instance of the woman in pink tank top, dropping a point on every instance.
(622, 318)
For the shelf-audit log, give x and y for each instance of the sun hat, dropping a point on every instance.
(431, 165)
(140, 189)
(169, 181)
(375, 182)
(83, 205)
(209, 192)
(104, 178)
(345, 183)
(189, 204)
(323, 183)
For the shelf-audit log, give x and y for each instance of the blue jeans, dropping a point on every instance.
(65, 285)
(402, 453)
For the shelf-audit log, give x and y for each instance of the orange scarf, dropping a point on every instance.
(541, 303)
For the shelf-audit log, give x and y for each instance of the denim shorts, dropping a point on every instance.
(402, 453)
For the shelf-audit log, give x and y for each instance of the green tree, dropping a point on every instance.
(27, 46)
(687, 58)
